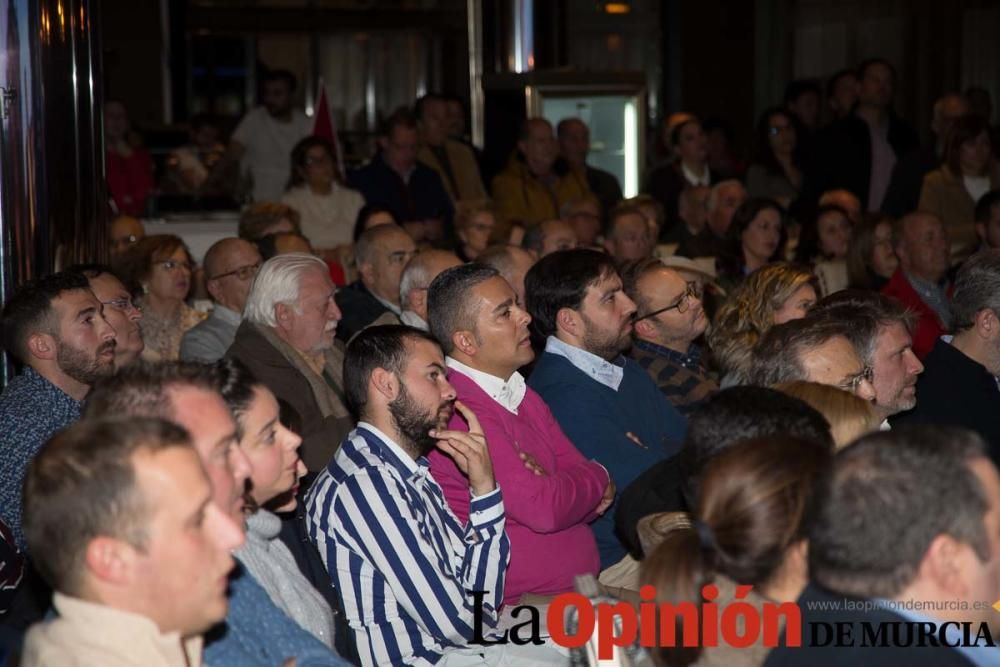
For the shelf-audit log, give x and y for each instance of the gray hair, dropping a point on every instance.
(977, 288)
(364, 249)
(276, 282)
(777, 358)
(417, 274)
(713, 195)
(863, 314)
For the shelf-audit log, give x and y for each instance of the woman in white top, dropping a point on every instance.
(327, 208)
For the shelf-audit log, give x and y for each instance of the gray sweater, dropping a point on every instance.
(273, 566)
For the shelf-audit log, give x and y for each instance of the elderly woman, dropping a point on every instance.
(475, 221)
(158, 270)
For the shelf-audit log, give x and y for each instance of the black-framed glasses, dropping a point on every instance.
(123, 304)
(692, 291)
(243, 273)
(851, 384)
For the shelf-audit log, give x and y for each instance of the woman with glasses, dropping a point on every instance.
(157, 270)
(776, 172)
(774, 294)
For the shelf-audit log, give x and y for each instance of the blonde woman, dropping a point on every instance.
(849, 417)
(773, 294)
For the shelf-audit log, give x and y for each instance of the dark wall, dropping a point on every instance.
(133, 50)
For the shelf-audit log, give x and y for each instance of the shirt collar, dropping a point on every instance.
(37, 378)
(603, 371)
(388, 304)
(508, 393)
(410, 318)
(226, 315)
(693, 178)
(393, 454)
(689, 359)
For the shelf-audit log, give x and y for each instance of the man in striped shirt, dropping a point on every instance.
(403, 563)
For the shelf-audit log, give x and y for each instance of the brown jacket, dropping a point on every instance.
(520, 197)
(325, 420)
(463, 168)
(944, 195)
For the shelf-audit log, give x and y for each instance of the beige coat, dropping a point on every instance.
(463, 168)
(944, 195)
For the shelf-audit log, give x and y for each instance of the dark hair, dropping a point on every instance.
(631, 273)
(418, 106)
(143, 389)
(367, 211)
(561, 280)
(623, 208)
(449, 303)
(236, 385)
(82, 485)
(258, 217)
(29, 310)
(977, 288)
(984, 207)
(831, 83)
(778, 355)
(675, 133)
(799, 87)
(93, 270)
(756, 502)
(870, 62)
(137, 262)
(763, 153)
(886, 498)
(859, 253)
(809, 245)
(267, 246)
(401, 117)
(383, 346)
(741, 413)
(862, 314)
(964, 129)
(743, 217)
(299, 154)
(280, 75)
(524, 129)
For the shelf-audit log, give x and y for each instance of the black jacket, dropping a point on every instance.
(358, 308)
(654, 491)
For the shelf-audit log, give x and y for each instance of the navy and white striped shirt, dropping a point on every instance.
(402, 562)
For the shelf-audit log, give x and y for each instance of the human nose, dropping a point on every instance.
(291, 439)
(239, 465)
(524, 318)
(333, 310)
(865, 390)
(224, 531)
(627, 304)
(448, 392)
(913, 363)
(104, 329)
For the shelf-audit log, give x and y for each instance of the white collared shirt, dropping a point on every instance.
(507, 393)
(393, 308)
(410, 318)
(693, 178)
(601, 370)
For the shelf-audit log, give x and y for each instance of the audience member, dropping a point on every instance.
(159, 268)
(125, 231)
(823, 244)
(669, 319)
(774, 294)
(777, 169)
(842, 93)
(513, 264)
(849, 416)
(959, 385)
(721, 145)
(729, 417)
(903, 195)
(534, 184)
(584, 215)
(653, 211)
(755, 238)
(871, 260)
(802, 99)
(846, 200)
(453, 161)
(283, 243)
(692, 216)
(628, 236)
(574, 145)
(689, 167)
(549, 236)
(417, 277)
(988, 220)
(951, 192)
(723, 200)
(749, 527)
(372, 215)
(119, 310)
(380, 254)
(475, 222)
(552, 491)
(230, 266)
(859, 151)
(128, 167)
(275, 470)
(813, 350)
(394, 179)
(264, 139)
(191, 168)
(255, 632)
(411, 603)
(119, 521)
(327, 208)
(55, 328)
(287, 341)
(921, 244)
(265, 218)
(903, 517)
(605, 403)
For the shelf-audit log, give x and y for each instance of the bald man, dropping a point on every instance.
(230, 266)
(513, 264)
(418, 275)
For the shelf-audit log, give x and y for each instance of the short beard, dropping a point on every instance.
(85, 369)
(413, 424)
(605, 346)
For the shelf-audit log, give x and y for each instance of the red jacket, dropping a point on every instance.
(929, 327)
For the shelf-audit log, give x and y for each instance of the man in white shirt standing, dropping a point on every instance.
(264, 139)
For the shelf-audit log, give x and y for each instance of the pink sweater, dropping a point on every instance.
(547, 516)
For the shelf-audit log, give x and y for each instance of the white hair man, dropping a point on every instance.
(418, 275)
(287, 340)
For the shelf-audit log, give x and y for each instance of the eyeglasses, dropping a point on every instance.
(852, 383)
(124, 241)
(243, 273)
(171, 264)
(123, 304)
(777, 129)
(692, 291)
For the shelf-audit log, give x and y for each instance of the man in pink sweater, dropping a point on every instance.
(551, 491)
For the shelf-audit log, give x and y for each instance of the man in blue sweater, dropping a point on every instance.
(607, 405)
(255, 631)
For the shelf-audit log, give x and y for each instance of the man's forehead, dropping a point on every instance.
(164, 472)
(70, 302)
(201, 411)
(662, 279)
(108, 285)
(423, 353)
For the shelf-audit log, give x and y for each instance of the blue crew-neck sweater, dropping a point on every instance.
(596, 418)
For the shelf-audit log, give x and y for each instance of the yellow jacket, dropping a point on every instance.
(520, 197)
(463, 168)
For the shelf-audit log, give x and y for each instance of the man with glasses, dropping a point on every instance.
(119, 310)
(669, 319)
(126, 231)
(230, 266)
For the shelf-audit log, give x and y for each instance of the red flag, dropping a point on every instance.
(325, 127)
